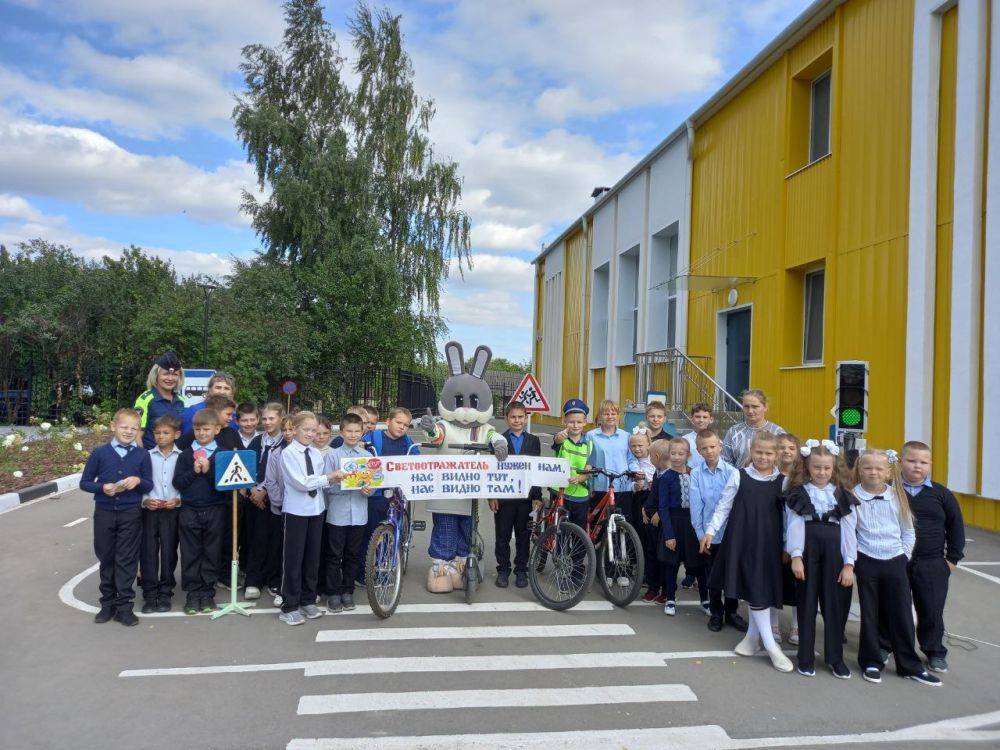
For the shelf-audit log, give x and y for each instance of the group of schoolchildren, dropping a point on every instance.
(301, 534)
(756, 515)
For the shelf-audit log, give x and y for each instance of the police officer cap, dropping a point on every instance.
(575, 405)
(169, 361)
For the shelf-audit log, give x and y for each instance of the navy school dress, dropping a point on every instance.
(748, 565)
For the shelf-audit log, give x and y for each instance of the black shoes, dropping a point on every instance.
(163, 604)
(104, 615)
(521, 580)
(840, 671)
(503, 579)
(348, 601)
(126, 617)
(925, 678)
(872, 674)
(715, 623)
(148, 606)
(937, 664)
(737, 622)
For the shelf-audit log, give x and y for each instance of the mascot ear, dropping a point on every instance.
(453, 353)
(480, 361)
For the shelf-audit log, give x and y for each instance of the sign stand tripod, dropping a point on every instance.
(235, 470)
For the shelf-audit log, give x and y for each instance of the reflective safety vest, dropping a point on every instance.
(142, 405)
(578, 455)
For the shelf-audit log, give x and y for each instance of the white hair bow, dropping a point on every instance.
(807, 448)
(831, 446)
(639, 430)
(892, 456)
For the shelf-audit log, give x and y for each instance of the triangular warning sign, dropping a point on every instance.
(235, 475)
(529, 393)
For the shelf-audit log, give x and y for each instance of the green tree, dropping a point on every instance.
(359, 207)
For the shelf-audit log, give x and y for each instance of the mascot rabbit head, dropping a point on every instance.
(466, 399)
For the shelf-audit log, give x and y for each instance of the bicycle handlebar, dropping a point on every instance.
(612, 475)
(481, 447)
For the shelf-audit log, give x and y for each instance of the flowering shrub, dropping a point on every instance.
(55, 450)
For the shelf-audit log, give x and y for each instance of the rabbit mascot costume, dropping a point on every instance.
(466, 407)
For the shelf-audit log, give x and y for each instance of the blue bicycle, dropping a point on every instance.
(389, 553)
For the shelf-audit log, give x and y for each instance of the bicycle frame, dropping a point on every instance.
(601, 520)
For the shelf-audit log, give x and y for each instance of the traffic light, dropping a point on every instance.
(852, 396)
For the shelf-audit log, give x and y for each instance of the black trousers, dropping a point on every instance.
(715, 600)
(343, 557)
(117, 535)
(257, 548)
(884, 591)
(512, 518)
(929, 583)
(577, 512)
(823, 562)
(300, 560)
(159, 552)
(200, 531)
(656, 573)
(275, 549)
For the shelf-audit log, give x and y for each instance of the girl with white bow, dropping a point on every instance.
(817, 502)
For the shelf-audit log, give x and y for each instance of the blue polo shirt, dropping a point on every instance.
(611, 453)
(158, 407)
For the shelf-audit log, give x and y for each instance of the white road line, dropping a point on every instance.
(74, 523)
(706, 737)
(603, 695)
(976, 563)
(412, 664)
(67, 594)
(979, 573)
(488, 631)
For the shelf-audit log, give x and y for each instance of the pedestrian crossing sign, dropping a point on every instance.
(235, 470)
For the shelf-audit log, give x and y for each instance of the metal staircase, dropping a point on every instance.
(685, 382)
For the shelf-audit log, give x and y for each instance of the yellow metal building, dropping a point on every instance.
(842, 203)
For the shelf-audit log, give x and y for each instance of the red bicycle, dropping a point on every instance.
(618, 548)
(562, 560)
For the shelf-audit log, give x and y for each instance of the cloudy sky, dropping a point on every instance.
(115, 130)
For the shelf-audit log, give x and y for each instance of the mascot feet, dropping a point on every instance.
(456, 568)
(439, 580)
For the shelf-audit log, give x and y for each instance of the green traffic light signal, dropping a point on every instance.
(850, 417)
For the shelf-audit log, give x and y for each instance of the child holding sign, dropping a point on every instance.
(346, 518)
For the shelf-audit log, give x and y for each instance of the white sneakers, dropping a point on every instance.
(251, 593)
(748, 646)
(670, 608)
(779, 661)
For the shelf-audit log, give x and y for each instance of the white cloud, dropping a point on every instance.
(485, 310)
(81, 165)
(25, 222)
(634, 53)
(496, 272)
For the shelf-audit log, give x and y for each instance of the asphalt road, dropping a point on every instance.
(596, 676)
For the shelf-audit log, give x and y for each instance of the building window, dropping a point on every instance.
(661, 320)
(812, 343)
(819, 127)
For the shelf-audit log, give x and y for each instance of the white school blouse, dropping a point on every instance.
(298, 483)
(823, 500)
(876, 528)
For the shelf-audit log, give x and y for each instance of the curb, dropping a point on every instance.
(13, 499)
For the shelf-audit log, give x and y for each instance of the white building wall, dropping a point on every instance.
(552, 323)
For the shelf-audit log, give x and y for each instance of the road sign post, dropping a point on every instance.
(235, 470)
(289, 387)
(529, 393)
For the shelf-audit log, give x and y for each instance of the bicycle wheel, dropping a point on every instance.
(620, 565)
(472, 575)
(561, 566)
(406, 530)
(383, 572)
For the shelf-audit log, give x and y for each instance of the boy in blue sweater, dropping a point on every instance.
(202, 511)
(118, 474)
